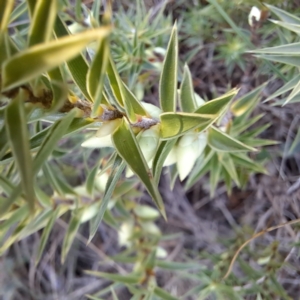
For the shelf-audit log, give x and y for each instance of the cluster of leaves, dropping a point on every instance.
(54, 84)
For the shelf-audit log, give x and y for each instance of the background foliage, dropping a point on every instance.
(145, 152)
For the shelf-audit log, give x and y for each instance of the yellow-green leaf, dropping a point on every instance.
(71, 233)
(5, 11)
(17, 133)
(168, 78)
(114, 176)
(95, 76)
(247, 103)
(40, 58)
(187, 94)
(127, 146)
(176, 124)
(221, 141)
(42, 22)
(77, 66)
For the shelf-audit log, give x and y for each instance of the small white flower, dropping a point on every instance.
(254, 13)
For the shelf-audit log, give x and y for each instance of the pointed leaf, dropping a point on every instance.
(247, 102)
(218, 105)
(127, 146)
(5, 11)
(293, 60)
(56, 132)
(229, 165)
(125, 279)
(288, 49)
(45, 234)
(40, 58)
(114, 176)
(71, 233)
(168, 78)
(187, 94)
(220, 141)
(17, 133)
(161, 154)
(284, 15)
(176, 124)
(77, 66)
(42, 22)
(164, 295)
(96, 73)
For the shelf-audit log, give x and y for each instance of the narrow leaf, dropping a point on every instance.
(71, 233)
(42, 21)
(95, 76)
(40, 58)
(17, 133)
(284, 15)
(5, 11)
(247, 102)
(176, 124)
(77, 66)
(220, 141)
(45, 235)
(168, 78)
(56, 132)
(161, 154)
(125, 279)
(164, 295)
(127, 146)
(187, 94)
(114, 176)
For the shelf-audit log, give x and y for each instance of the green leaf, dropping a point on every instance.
(115, 83)
(215, 172)
(295, 92)
(161, 154)
(293, 60)
(114, 176)
(5, 185)
(129, 98)
(5, 11)
(175, 266)
(243, 160)
(127, 146)
(56, 181)
(42, 22)
(187, 94)
(176, 124)
(292, 27)
(163, 294)
(46, 233)
(284, 15)
(59, 89)
(247, 102)
(229, 165)
(40, 58)
(199, 171)
(168, 78)
(77, 66)
(285, 88)
(95, 76)
(220, 141)
(123, 95)
(17, 133)
(218, 105)
(286, 50)
(125, 279)
(90, 181)
(71, 233)
(56, 132)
